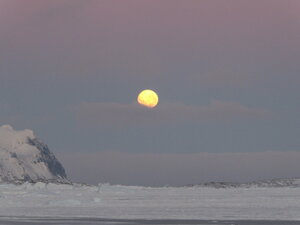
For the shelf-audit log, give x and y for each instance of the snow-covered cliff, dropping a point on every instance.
(25, 158)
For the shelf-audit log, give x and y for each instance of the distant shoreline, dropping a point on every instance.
(106, 221)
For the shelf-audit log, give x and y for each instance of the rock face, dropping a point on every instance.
(25, 158)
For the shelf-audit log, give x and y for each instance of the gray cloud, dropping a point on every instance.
(178, 169)
(112, 115)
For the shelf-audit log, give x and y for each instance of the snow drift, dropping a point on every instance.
(23, 157)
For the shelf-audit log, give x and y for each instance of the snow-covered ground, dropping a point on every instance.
(129, 202)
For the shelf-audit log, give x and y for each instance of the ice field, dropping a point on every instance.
(132, 202)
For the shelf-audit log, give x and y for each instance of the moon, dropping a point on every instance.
(148, 98)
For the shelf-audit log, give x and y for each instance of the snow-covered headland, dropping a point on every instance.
(24, 158)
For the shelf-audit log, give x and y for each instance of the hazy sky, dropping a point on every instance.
(227, 74)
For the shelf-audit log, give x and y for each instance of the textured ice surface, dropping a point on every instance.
(129, 202)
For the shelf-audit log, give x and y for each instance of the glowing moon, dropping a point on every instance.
(148, 98)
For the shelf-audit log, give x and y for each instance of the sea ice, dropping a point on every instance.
(132, 202)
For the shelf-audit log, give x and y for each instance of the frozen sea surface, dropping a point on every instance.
(186, 205)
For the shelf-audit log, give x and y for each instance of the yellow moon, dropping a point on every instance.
(148, 98)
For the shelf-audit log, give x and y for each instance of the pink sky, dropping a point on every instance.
(227, 74)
